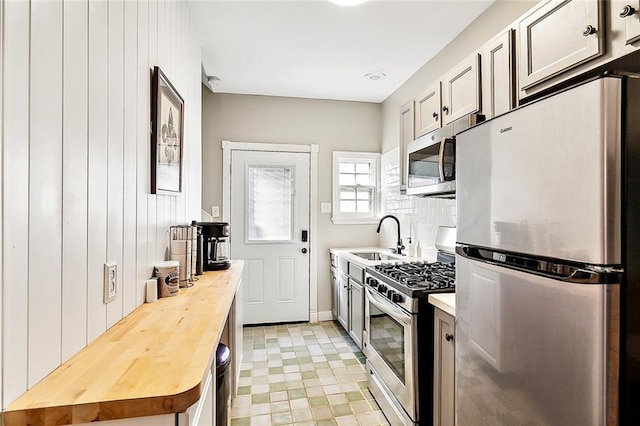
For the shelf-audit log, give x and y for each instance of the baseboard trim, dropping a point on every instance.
(325, 315)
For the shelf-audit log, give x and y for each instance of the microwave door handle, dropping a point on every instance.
(441, 159)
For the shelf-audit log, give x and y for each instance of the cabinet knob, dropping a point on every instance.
(628, 10)
(449, 337)
(435, 115)
(589, 30)
(445, 109)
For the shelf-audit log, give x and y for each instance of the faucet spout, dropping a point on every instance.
(399, 245)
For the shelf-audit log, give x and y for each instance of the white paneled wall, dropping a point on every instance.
(76, 78)
(419, 217)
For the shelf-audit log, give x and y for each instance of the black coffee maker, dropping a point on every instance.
(215, 245)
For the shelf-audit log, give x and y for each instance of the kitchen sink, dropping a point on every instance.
(376, 255)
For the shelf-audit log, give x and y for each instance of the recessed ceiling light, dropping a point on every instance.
(347, 2)
(375, 75)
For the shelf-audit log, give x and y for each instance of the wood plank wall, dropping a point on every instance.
(75, 168)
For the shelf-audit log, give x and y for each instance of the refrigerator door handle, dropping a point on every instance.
(565, 271)
(595, 275)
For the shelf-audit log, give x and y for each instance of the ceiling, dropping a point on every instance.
(316, 49)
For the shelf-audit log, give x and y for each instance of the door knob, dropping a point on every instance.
(588, 30)
(628, 10)
(304, 251)
(449, 337)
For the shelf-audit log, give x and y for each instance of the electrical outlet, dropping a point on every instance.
(215, 211)
(110, 281)
(325, 207)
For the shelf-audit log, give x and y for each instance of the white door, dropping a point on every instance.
(269, 221)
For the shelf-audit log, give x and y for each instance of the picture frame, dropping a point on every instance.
(167, 135)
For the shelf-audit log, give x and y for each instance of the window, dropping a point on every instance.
(355, 187)
(269, 206)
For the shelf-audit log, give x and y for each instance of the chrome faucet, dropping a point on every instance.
(399, 246)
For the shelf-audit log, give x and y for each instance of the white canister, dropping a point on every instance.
(168, 274)
(151, 290)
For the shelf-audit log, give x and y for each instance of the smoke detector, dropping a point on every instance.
(375, 76)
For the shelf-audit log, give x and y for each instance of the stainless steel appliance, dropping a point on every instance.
(431, 166)
(547, 269)
(399, 332)
(215, 240)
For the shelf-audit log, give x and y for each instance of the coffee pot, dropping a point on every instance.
(215, 245)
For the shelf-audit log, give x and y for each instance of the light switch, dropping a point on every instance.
(325, 207)
(215, 211)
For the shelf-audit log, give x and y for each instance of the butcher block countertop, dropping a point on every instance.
(153, 361)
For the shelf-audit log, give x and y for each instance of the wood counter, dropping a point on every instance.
(151, 362)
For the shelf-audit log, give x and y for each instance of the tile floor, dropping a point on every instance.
(303, 374)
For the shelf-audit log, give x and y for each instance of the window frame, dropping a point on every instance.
(338, 217)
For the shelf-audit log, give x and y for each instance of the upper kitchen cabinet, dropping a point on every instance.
(557, 36)
(630, 13)
(427, 110)
(461, 90)
(497, 73)
(406, 136)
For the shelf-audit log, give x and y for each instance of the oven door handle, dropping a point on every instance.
(387, 308)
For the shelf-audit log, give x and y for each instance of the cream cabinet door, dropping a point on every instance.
(444, 369)
(406, 136)
(558, 36)
(427, 111)
(356, 312)
(630, 12)
(461, 90)
(343, 300)
(335, 291)
(496, 70)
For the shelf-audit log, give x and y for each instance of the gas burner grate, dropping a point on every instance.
(420, 275)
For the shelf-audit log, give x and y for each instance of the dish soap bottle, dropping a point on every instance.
(418, 249)
(410, 248)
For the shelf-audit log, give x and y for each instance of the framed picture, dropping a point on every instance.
(167, 120)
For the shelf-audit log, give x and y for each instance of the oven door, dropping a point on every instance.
(431, 166)
(391, 348)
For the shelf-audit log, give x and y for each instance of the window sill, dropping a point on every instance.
(354, 221)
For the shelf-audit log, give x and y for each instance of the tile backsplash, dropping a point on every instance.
(419, 217)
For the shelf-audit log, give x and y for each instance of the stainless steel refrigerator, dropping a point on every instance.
(547, 270)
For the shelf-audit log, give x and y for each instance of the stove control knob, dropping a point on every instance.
(382, 288)
(397, 298)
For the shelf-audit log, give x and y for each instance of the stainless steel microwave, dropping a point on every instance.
(431, 164)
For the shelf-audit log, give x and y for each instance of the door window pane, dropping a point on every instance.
(269, 203)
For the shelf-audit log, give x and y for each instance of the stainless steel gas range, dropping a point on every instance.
(399, 331)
